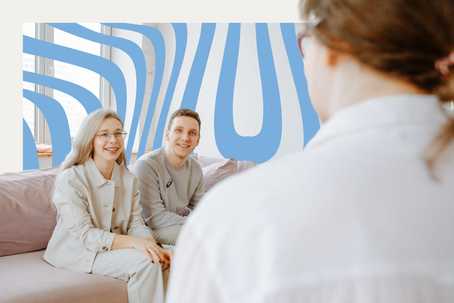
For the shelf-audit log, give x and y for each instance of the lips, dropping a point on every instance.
(184, 146)
(112, 149)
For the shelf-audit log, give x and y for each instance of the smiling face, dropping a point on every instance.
(182, 137)
(108, 142)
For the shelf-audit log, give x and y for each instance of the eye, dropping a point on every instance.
(178, 130)
(193, 133)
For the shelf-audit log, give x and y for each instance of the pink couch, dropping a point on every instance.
(28, 217)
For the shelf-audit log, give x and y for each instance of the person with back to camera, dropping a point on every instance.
(170, 180)
(99, 228)
(365, 214)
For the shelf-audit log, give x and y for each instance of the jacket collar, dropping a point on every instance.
(381, 112)
(97, 179)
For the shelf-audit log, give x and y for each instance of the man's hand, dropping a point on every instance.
(183, 211)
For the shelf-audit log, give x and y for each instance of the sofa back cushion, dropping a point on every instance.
(27, 214)
(216, 171)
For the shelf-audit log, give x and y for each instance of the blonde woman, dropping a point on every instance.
(99, 225)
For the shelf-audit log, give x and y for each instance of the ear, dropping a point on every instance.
(166, 136)
(332, 57)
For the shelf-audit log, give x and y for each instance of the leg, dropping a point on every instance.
(167, 235)
(145, 281)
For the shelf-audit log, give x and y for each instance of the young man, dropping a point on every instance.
(170, 181)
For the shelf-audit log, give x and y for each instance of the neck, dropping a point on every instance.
(104, 167)
(174, 160)
(356, 83)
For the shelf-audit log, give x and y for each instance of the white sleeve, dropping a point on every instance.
(192, 278)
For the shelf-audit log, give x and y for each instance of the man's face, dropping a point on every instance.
(182, 137)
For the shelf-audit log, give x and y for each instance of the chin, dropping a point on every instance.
(111, 158)
(181, 155)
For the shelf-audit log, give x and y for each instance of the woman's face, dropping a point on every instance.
(108, 143)
(319, 75)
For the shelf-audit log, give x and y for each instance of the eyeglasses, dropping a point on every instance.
(307, 28)
(107, 135)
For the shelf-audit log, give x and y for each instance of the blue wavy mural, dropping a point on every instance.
(158, 43)
(137, 57)
(30, 154)
(309, 116)
(181, 37)
(147, 123)
(58, 124)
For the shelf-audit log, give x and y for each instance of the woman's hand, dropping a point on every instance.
(154, 251)
(166, 258)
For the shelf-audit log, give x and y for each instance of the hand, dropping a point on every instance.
(149, 247)
(154, 251)
(166, 258)
(183, 211)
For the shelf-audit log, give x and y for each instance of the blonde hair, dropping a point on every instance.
(82, 147)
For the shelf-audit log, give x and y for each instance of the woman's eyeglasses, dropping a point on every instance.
(107, 135)
(307, 28)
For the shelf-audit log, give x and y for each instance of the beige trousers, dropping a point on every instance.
(144, 278)
(167, 235)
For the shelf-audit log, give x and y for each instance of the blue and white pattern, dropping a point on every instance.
(246, 80)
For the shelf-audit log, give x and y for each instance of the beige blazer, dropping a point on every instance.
(90, 211)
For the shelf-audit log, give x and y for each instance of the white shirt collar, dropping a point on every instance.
(379, 112)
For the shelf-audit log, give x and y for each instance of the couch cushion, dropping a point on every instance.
(27, 214)
(217, 171)
(27, 278)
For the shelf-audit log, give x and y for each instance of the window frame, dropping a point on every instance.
(45, 66)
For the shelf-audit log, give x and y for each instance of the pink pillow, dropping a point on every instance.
(27, 214)
(218, 171)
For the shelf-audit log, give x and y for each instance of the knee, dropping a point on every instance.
(167, 235)
(138, 261)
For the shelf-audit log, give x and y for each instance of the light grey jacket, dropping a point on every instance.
(90, 209)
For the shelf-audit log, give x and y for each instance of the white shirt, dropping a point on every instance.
(356, 217)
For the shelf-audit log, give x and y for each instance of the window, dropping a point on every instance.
(28, 64)
(75, 74)
(60, 70)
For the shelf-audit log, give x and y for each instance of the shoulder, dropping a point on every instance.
(129, 179)
(273, 188)
(270, 198)
(126, 174)
(73, 177)
(75, 172)
(151, 160)
(195, 166)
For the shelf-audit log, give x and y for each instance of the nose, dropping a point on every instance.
(186, 137)
(113, 138)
